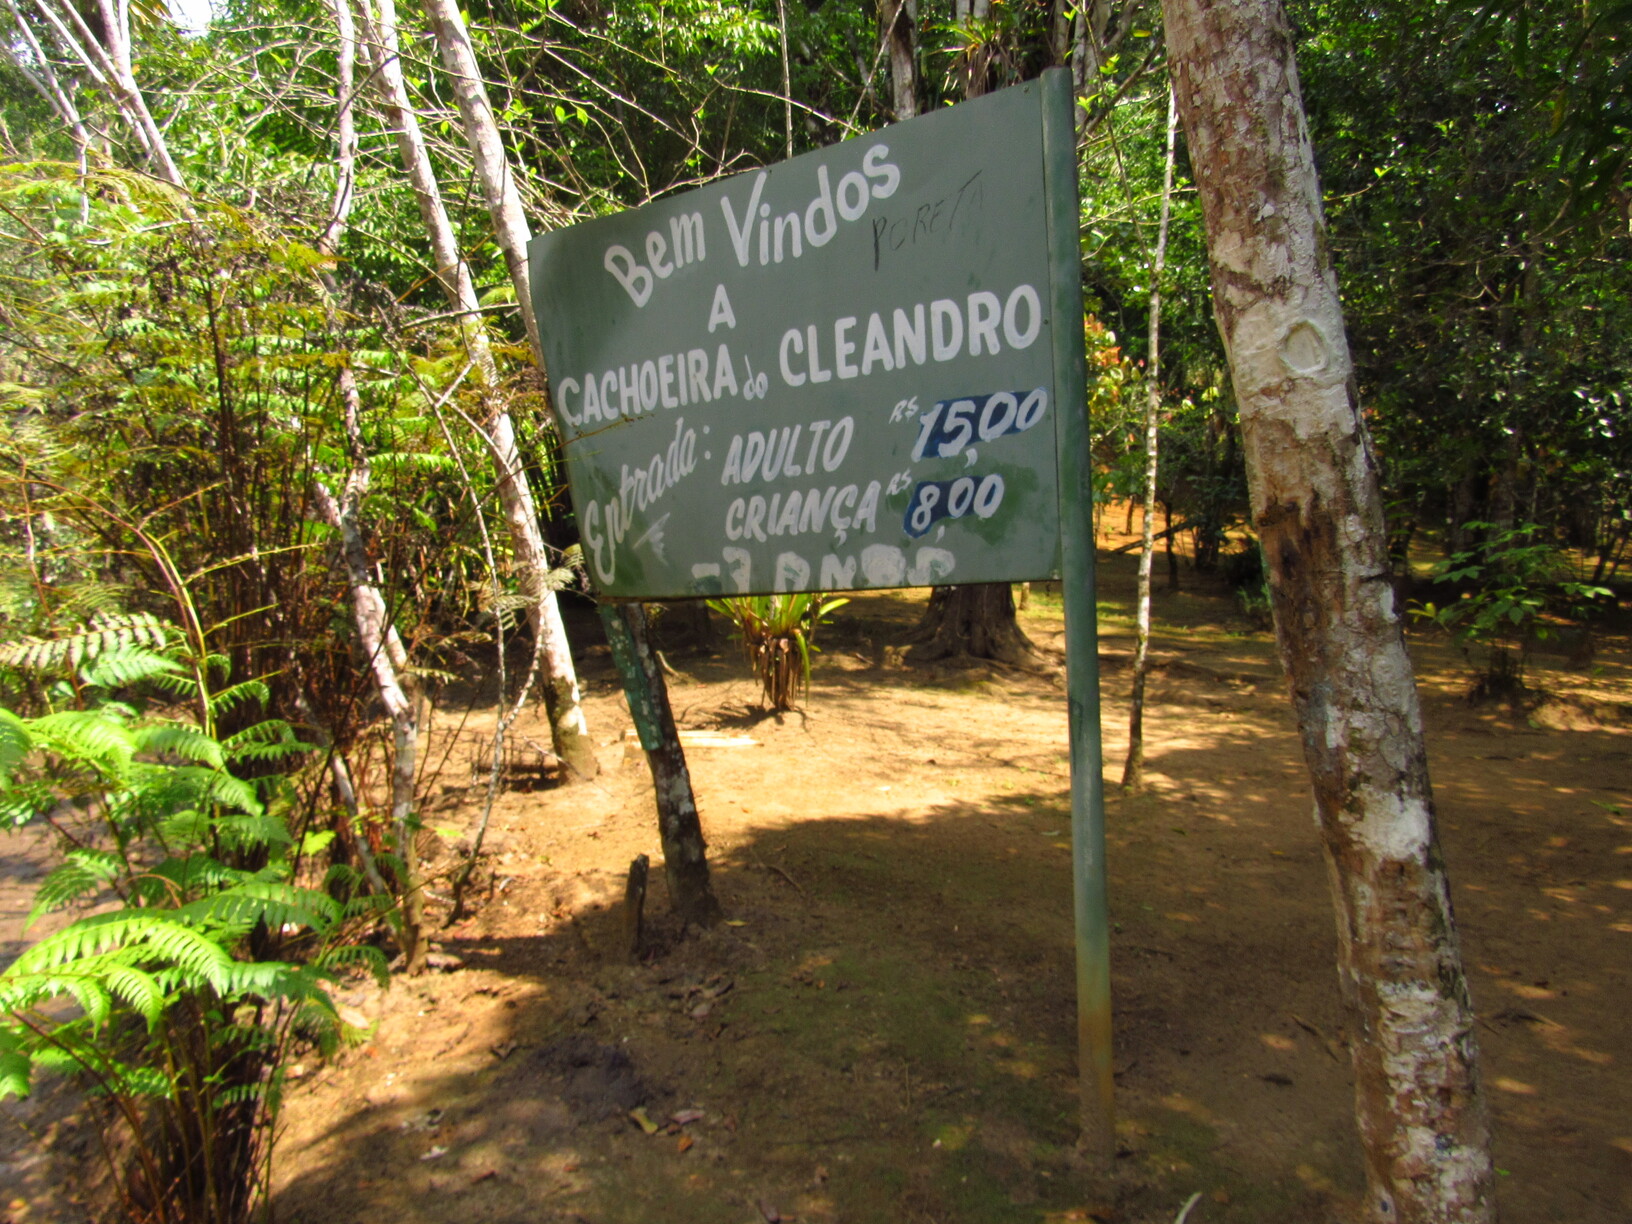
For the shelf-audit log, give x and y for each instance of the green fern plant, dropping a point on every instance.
(185, 1009)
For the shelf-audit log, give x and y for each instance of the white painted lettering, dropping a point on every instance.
(725, 378)
(817, 374)
(853, 196)
(843, 347)
(946, 328)
(984, 313)
(741, 234)
(792, 342)
(887, 176)
(657, 255)
(823, 203)
(1018, 337)
(636, 280)
(569, 386)
(721, 313)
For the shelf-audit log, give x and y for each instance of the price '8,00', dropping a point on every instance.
(934, 500)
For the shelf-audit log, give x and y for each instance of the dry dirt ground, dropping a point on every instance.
(884, 1032)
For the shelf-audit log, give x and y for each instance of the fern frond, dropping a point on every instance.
(238, 1094)
(162, 883)
(85, 871)
(133, 1079)
(344, 956)
(341, 877)
(270, 740)
(21, 804)
(91, 995)
(86, 737)
(189, 826)
(106, 633)
(15, 744)
(256, 901)
(179, 740)
(177, 684)
(230, 698)
(369, 905)
(150, 935)
(233, 792)
(16, 1074)
(139, 991)
(126, 666)
(251, 832)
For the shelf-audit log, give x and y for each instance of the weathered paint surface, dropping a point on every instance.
(834, 373)
(1316, 505)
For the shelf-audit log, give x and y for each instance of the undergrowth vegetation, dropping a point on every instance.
(778, 634)
(204, 937)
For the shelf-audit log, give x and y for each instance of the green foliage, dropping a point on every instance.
(778, 637)
(1515, 578)
(1487, 304)
(187, 990)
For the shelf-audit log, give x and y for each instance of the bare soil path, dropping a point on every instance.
(884, 1031)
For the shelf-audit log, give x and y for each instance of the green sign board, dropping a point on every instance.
(837, 373)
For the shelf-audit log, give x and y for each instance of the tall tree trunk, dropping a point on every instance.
(1317, 507)
(567, 725)
(898, 20)
(1133, 771)
(787, 75)
(972, 622)
(377, 634)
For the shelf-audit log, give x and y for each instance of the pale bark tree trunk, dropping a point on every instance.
(382, 645)
(1133, 771)
(787, 75)
(37, 69)
(899, 19)
(569, 730)
(1088, 53)
(383, 648)
(108, 62)
(1316, 504)
(488, 156)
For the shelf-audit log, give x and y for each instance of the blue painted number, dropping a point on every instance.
(953, 426)
(934, 500)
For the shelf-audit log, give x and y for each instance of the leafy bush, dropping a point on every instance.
(187, 988)
(1516, 577)
(778, 635)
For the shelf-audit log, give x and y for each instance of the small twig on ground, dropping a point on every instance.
(782, 873)
(1184, 1212)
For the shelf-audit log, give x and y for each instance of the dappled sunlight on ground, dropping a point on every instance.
(884, 1030)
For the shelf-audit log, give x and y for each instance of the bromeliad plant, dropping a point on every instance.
(202, 957)
(778, 637)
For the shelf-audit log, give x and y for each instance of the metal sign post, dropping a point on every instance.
(861, 368)
(1088, 873)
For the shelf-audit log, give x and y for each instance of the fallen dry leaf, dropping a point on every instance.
(686, 1142)
(641, 1119)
